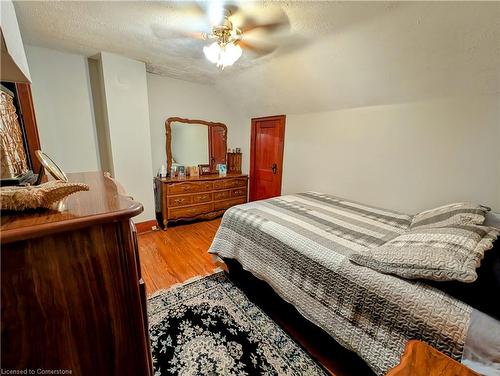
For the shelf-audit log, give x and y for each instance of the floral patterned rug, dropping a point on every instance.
(209, 327)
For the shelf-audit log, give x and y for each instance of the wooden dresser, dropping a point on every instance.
(198, 196)
(72, 294)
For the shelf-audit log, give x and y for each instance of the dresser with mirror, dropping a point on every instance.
(194, 188)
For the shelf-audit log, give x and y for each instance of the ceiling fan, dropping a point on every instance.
(225, 49)
(232, 29)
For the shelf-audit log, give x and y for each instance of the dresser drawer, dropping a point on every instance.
(189, 212)
(180, 188)
(180, 200)
(222, 195)
(234, 183)
(239, 192)
(228, 203)
(201, 197)
(230, 183)
(219, 184)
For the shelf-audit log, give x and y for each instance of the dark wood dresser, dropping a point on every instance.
(72, 293)
(198, 196)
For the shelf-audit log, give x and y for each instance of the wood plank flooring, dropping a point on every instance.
(180, 253)
(177, 254)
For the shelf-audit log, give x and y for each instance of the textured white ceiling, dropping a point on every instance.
(417, 51)
(346, 54)
(131, 29)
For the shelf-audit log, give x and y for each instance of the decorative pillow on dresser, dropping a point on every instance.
(460, 213)
(440, 253)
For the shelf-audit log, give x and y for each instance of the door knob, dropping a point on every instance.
(274, 168)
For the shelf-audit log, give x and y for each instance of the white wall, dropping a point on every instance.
(406, 157)
(63, 106)
(100, 114)
(15, 65)
(126, 98)
(170, 97)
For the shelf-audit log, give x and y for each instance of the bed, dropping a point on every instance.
(300, 245)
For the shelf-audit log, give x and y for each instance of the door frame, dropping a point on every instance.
(281, 147)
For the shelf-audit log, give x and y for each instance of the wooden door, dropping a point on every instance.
(266, 157)
(217, 145)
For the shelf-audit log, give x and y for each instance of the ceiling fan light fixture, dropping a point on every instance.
(231, 53)
(222, 56)
(212, 52)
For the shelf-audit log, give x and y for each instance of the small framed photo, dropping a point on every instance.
(204, 169)
(193, 171)
(181, 171)
(173, 171)
(222, 169)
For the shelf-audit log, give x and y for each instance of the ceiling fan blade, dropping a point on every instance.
(271, 19)
(196, 35)
(272, 26)
(258, 50)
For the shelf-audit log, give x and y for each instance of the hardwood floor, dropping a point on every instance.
(177, 254)
(180, 253)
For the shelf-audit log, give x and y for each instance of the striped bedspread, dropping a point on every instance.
(298, 244)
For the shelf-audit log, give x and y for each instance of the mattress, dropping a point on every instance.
(299, 244)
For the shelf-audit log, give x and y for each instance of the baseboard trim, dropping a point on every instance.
(146, 226)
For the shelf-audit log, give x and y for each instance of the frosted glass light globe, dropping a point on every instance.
(230, 54)
(222, 56)
(212, 52)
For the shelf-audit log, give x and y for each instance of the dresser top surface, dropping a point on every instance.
(101, 203)
(200, 178)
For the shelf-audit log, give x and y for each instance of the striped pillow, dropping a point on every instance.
(461, 213)
(440, 254)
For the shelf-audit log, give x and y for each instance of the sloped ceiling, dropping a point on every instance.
(347, 54)
(414, 52)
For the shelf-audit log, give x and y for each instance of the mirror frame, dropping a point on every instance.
(168, 133)
(50, 166)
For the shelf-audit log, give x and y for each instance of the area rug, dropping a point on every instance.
(209, 327)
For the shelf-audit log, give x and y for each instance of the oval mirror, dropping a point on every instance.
(51, 166)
